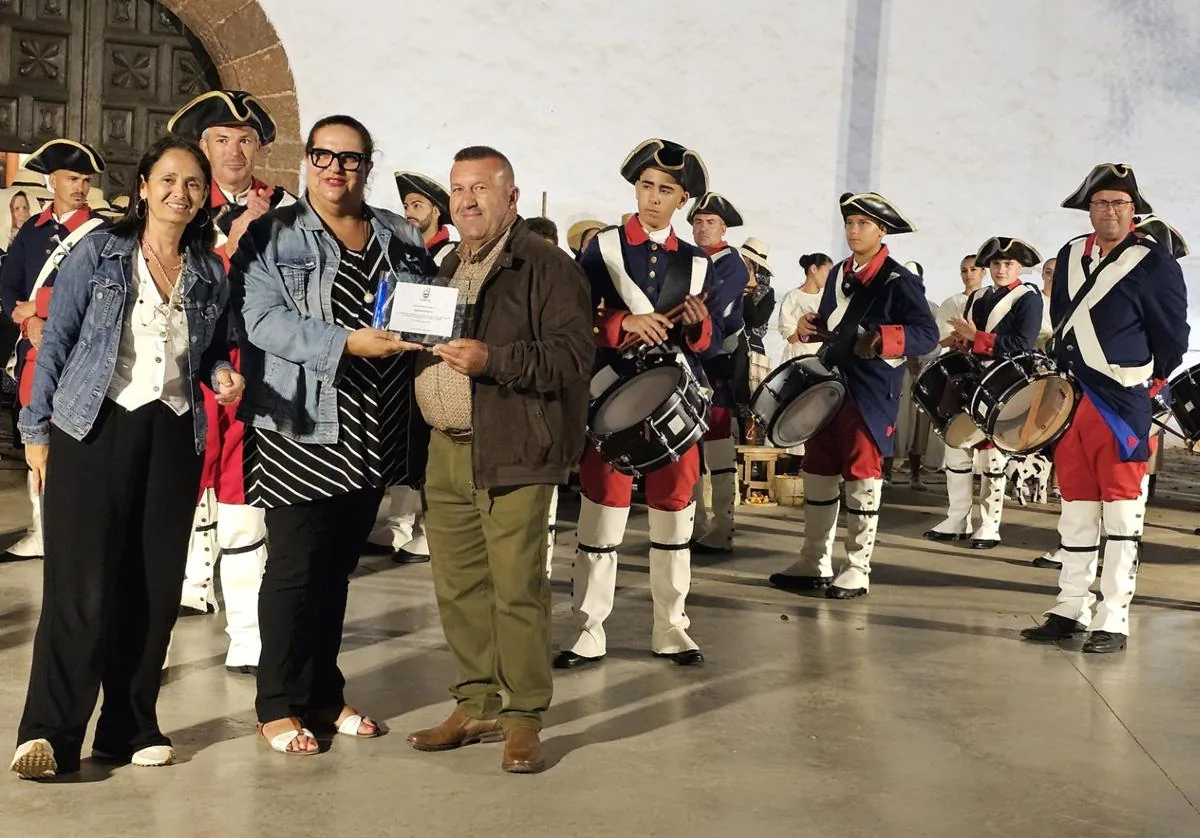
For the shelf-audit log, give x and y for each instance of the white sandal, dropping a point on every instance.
(280, 741)
(351, 725)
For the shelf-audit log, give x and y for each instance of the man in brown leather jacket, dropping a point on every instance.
(508, 406)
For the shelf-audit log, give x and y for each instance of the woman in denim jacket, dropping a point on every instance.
(113, 437)
(331, 420)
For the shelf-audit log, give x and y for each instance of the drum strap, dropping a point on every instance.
(1111, 270)
(840, 347)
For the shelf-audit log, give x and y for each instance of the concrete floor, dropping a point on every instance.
(913, 712)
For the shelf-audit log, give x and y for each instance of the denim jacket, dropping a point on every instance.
(292, 351)
(78, 354)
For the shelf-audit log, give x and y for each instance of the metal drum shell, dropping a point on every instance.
(928, 396)
(786, 383)
(637, 450)
(1003, 380)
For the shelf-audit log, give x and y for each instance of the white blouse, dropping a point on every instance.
(152, 354)
(797, 303)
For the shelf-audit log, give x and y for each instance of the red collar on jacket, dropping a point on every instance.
(78, 217)
(636, 234)
(442, 235)
(217, 196)
(868, 271)
(716, 248)
(1011, 285)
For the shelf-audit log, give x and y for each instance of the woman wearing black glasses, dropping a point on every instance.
(330, 420)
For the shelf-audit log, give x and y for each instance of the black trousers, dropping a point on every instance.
(118, 517)
(312, 548)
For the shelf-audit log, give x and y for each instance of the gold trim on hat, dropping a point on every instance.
(97, 162)
(233, 106)
(889, 204)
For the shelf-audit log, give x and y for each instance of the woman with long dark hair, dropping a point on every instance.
(330, 420)
(113, 437)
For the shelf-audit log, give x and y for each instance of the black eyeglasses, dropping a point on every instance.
(1104, 206)
(348, 161)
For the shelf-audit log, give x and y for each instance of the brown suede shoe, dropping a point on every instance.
(458, 730)
(522, 751)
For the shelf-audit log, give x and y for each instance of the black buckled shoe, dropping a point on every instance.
(1055, 628)
(1046, 562)
(566, 659)
(984, 543)
(691, 657)
(786, 582)
(834, 592)
(1103, 642)
(937, 535)
(242, 669)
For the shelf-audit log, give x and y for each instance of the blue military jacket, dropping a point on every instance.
(900, 312)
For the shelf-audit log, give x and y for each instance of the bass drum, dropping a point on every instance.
(649, 420)
(1024, 403)
(798, 399)
(943, 392)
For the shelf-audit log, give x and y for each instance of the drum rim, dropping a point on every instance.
(840, 382)
(787, 365)
(1055, 437)
(598, 402)
(693, 436)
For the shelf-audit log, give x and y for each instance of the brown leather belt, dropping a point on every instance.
(459, 437)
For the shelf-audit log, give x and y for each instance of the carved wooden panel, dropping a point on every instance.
(110, 72)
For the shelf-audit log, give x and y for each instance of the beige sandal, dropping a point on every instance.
(281, 741)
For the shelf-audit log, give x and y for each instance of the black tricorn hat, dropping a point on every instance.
(718, 205)
(1164, 234)
(410, 182)
(222, 107)
(1003, 247)
(875, 206)
(681, 163)
(65, 154)
(1116, 176)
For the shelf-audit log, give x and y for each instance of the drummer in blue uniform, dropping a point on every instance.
(711, 217)
(999, 322)
(875, 313)
(637, 271)
(29, 269)
(1120, 305)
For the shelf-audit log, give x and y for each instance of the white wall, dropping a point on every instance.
(984, 116)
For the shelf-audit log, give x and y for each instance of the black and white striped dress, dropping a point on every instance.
(373, 406)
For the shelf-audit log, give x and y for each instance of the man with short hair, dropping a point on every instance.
(711, 217)
(1121, 304)
(28, 273)
(508, 405)
(427, 207)
(231, 127)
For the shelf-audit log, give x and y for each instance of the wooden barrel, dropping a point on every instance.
(789, 490)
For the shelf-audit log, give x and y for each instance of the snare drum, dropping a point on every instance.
(649, 420)
(1185, 403)
(943, 391)
(1024, 403)
(799, 398)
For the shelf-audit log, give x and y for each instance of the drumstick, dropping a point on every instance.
(674, 315)
(1035, 405)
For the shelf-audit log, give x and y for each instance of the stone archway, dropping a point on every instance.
(248, 55)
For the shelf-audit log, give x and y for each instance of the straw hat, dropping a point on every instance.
(757, 251)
